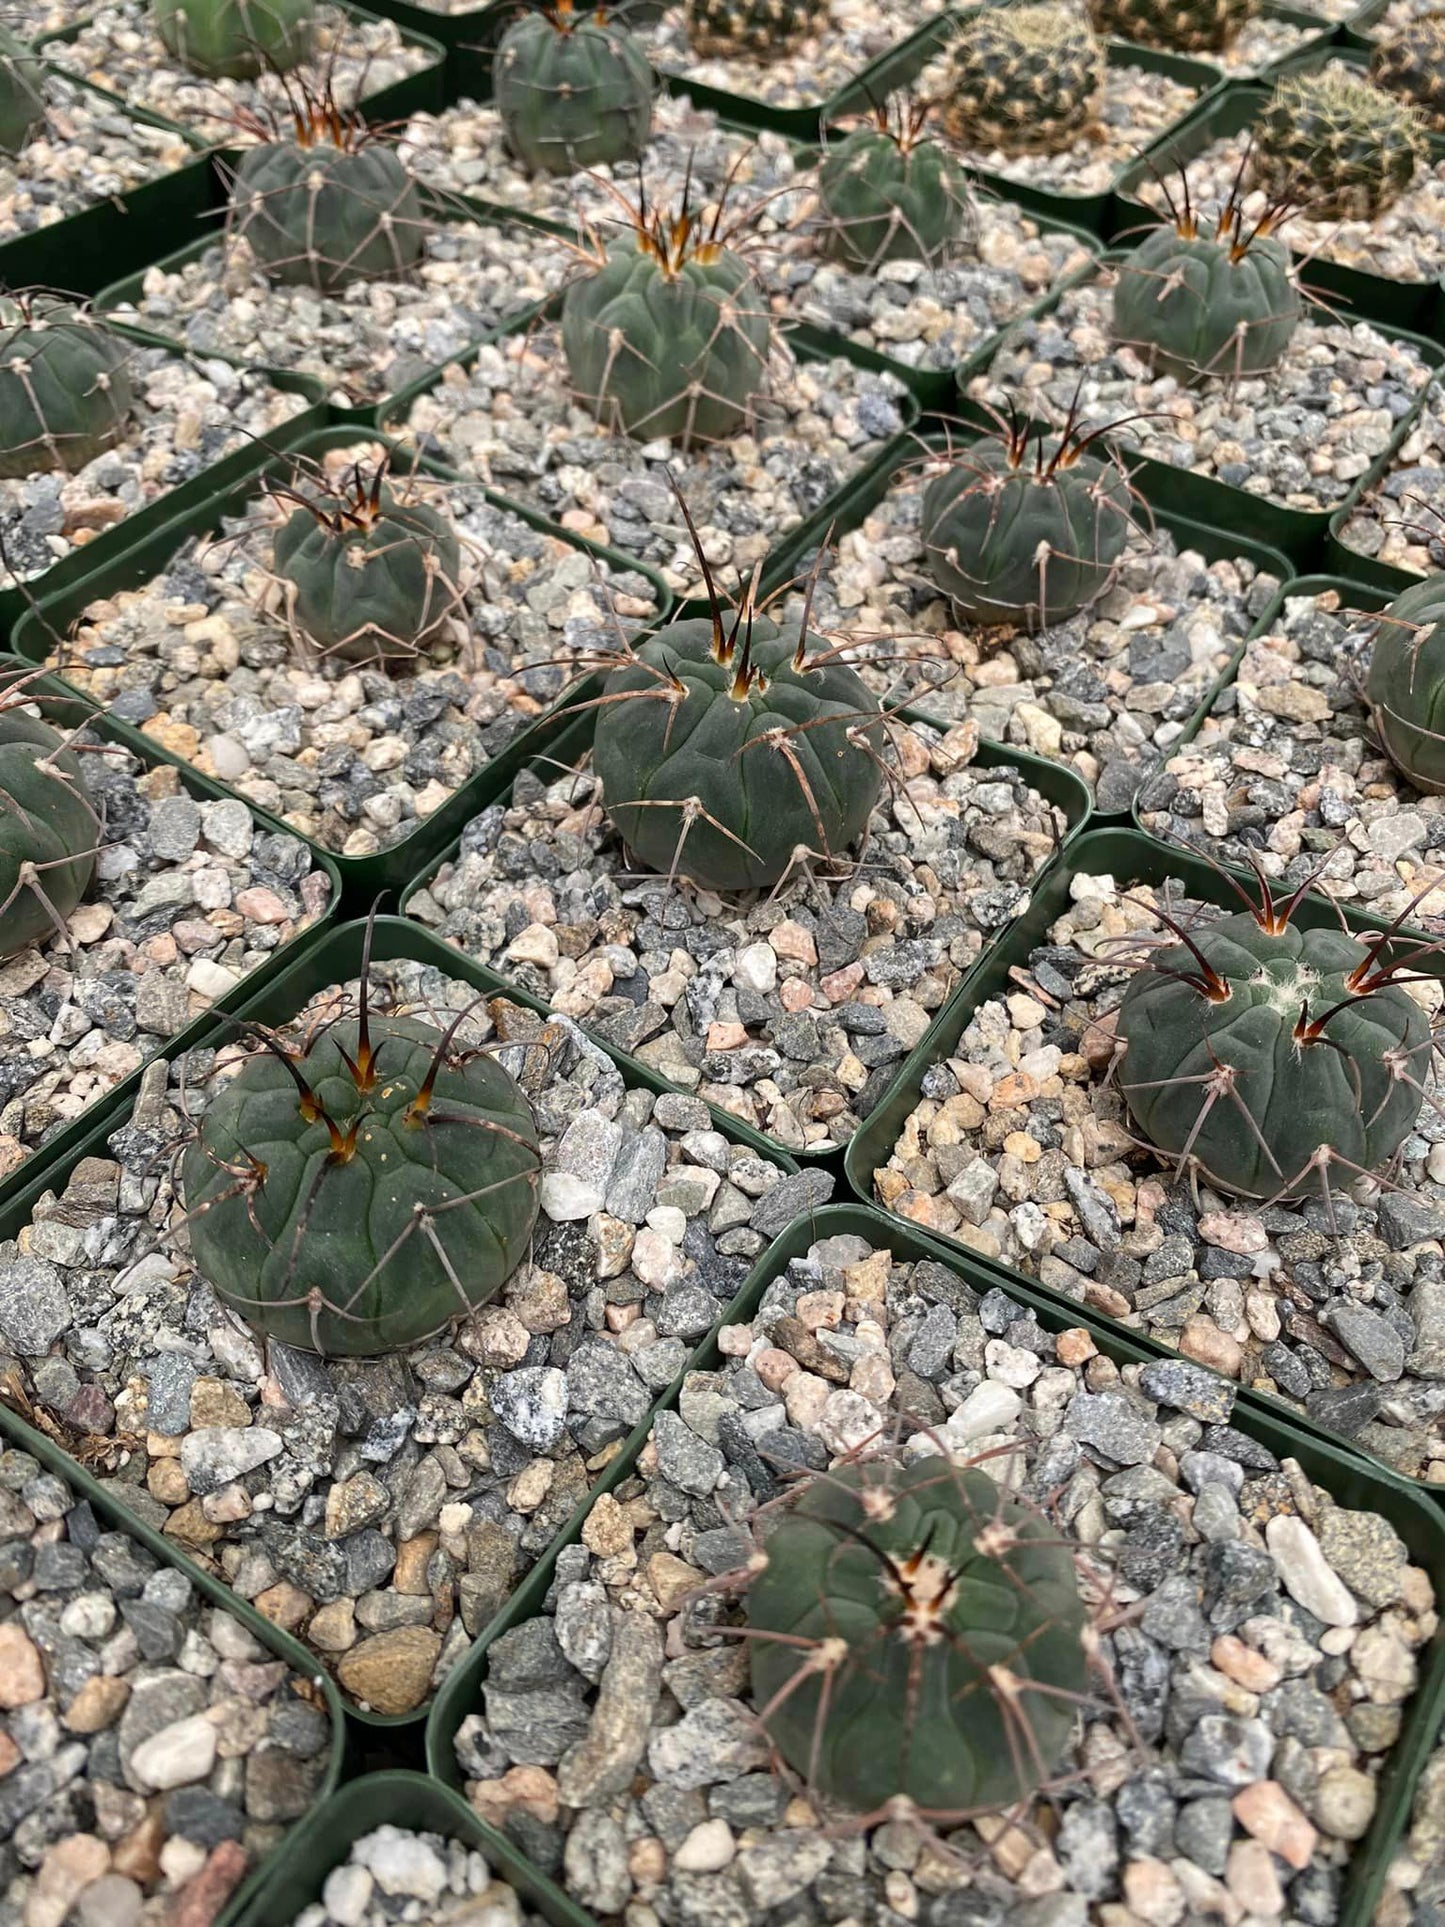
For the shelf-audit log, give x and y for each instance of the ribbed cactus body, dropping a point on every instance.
(1185, 26)
(1406, 683)
(760, 27)
(1221, 1067)
(668, 350)
(1196, 305)
(572, 93)
(916, 1634)
(22, 93)
(1014, 538)
(65, 387)
(1340, 148)
(236, 39)
(320, 215)
(1410, 63)
(373, 587)
(886, 199)
(363, 1209)
(761, 755)
(49, 831)
(1022, 78)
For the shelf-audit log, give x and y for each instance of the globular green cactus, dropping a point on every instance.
(1338, 147)
(65, 386)
(22, 92)
(1022, 78)
(727, 746)
(671, 337)
(236, 39)
(573, 90)
(768, 28)
(1410, 63)
(1195, 305)
(1406, 683)
(1260, 1055)
(1026, 534)
(917, 1634)
(887, 193)
(330, 204)
(369, 577)
(355, 1193)
(1184, 26)
(49, 829)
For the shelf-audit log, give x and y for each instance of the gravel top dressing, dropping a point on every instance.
(119, 49)
(851, 34)
(511, 419)
(1397, 520)
(1415, 1885)
(190, 411)
(374, 337)
(383, 1509)
(152, 1750)
(89, 150)
(203, 659)
(1107, 691)
(396, 1873)
(1287, 773)
(793, 1009)
(189, 898)
(1021, 1147)
(1262, 1640)
(1301, 435)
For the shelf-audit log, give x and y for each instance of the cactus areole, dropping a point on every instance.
(927, 1639)
(356, 1195)
(573, 90)
(1263, 1056)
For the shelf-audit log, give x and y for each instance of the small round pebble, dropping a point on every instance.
(395, 1873)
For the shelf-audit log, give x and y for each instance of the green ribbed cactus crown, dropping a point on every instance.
(22, 93)
(573, 89)
(236, 39)
(887, 192)
(49, 828)
(66, 393)
(1406, 683)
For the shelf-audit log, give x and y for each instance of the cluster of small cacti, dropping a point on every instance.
(359, 1191)
(888, 193)
(767, 28)
(367, 577)
(236, 39)
(1335, 145)
(22, 93)
(1183, 26)
(1025, 527)
(573, 90)
(916, 1635)
(1022, 78)
(1222, 304)
(1259, 1055)
(327, 203)
(65, 385)
(1409, 62)
(669, 337)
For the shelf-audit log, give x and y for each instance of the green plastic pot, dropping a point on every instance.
(1131, 857)
(1349, 1481)
(1338, 554)
(1299, 534)
(312, 965)
(421, 92)
(1372, 297)
(63, 709)
(363, 877)
(17, 604)
(297, 1873)
(103, 1497)
(1053, 780)
(1213, 541)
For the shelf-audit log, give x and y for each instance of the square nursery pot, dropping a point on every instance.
(1133, 859)
(1389, 577)
(419, 92)
(1394, 304)
(62, 710)
(111, 1501)
(363, 877)
(1299, 534)
(1215, 541)
(296, 1875)
(1349, 1482)
(111, 237)
(185, 499)
(834, 513)
(1053, 781)
(336, 957)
